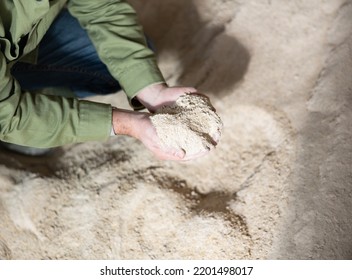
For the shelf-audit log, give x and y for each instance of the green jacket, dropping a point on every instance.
(40, 120)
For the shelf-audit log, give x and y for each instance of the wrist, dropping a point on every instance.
(149, 95)
(126, 122)
(121, 122)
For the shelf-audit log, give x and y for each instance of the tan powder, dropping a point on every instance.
(191, 124)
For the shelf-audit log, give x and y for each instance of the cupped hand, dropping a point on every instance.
(147, 134)
(158, 95)
(139, 126)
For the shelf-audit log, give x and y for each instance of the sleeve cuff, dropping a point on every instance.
(138, 77)
(95, 121)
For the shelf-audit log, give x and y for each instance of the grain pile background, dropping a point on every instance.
(279, 184)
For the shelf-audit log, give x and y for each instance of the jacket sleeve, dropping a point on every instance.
(120, 42)
(43, 121)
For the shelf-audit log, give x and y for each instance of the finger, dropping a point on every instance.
(187, 90)
(216, 137)
(195, 156)
(174, 155)
(170, 157)
(177, 154)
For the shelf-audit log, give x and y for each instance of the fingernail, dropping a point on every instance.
(181, 154)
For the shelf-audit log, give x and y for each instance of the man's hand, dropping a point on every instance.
(158, 95)
(138, 125)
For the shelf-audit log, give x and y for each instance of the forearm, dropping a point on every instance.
(48, 121)
(43, 121)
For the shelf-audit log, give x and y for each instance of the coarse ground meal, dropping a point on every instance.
(191, 124)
